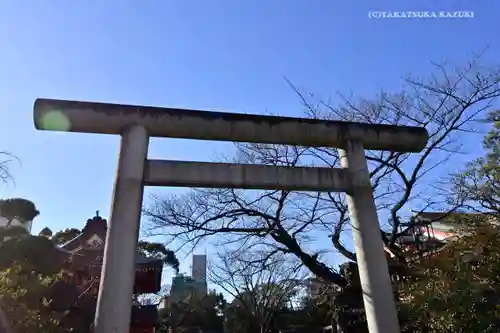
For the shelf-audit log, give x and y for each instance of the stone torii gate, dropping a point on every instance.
(135, 124)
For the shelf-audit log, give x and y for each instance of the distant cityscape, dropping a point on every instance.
(185, 287)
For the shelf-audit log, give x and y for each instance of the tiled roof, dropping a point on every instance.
(87, 256)
(72, 243)
(81, 247)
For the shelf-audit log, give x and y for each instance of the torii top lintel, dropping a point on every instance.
(106, 118)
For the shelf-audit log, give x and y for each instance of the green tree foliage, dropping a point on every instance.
(196, 313)
(314, 311)
(159, 251)
(457, 290)
(479, 185)
(239, 319)
(12, 232)
(33, 253)
(31, 284)
(18, 209)
(24, 298)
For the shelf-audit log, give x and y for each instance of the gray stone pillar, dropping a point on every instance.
(118, 270)
(378, 295)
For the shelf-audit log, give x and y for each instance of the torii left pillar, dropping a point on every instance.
(123, 231)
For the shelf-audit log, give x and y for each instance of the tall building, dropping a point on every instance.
(185, 287)
(199, 268)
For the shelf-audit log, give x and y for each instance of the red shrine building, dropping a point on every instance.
(430, 233)
(85, 253)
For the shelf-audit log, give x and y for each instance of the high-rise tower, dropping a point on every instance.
(199, 268)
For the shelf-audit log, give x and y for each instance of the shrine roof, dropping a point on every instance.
(95, 256)
(88, 246)
(72, 242)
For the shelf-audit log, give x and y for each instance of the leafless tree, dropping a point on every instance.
(6, 160)
(259, 290)
(447, 104)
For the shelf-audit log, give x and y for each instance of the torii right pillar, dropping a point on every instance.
(380, 306)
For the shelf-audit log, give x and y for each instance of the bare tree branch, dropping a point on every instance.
(6, 159)
(258, 287)
(447, 104)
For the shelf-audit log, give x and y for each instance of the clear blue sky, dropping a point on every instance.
(223, 55)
